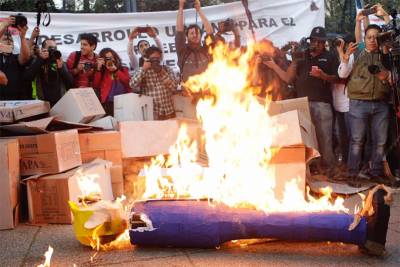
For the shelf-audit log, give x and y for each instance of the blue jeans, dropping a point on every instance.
(370, 116)
(322, 118)
(343, 129)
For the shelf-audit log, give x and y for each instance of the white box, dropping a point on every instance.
(132, 107)
(78, 105)
(184, 108)
(11, 111)
(147, 138)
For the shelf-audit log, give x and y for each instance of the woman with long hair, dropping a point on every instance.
(111, 78)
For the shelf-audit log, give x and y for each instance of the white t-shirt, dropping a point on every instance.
(339, 96)
(339, 92)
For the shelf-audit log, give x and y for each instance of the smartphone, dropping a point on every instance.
(143, 29)
(369, 11)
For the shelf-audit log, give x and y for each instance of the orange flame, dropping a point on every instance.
(238, 133)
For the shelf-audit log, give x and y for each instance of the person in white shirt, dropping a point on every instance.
(142, 45)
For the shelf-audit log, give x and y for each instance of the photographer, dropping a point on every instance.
(313, 71)
(345, 48)
(12, 66)
(157, 81)
(142, 45)
(111, 78)
(193, 57)
(225, 27)
(50, 73)
(270, 64)
(369, 92)
(81, 64)
(362, 18)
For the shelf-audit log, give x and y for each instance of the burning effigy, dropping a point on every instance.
(233, 195)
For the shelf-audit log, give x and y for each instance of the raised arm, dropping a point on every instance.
(133, 60)
(25, 52)
(179, 19)
(207, 25)
(4, 24)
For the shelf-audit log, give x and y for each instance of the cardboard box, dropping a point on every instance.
(79, 105)
(45, 125)
(147, 138)
(184, 107)
(48, 195)
(49, 153)
(300, 104)
(132, 107)
(117, 180)
(106, 123)
(9, 183)
(105, 145)
(11, 111)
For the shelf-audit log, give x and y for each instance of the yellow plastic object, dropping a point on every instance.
(99, 235)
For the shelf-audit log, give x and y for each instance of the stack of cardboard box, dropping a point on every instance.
(47, 152)
(52, 153)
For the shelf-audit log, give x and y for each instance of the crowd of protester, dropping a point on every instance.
(349, 102)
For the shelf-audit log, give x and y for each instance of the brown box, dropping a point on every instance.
(48, 195)
(49, 153)
(117, 180)
(9, 183)
(105, 145)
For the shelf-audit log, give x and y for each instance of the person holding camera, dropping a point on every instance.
(369, 92)
(11, 65)
(225, 27)
(270, 63)
(158, 81)
(141, 46)
(111, 78)
(81, 64)
(312, 72)
(50, 73)
(193, 57)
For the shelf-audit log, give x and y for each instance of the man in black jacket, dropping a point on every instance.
(12, 65)
(50, 73)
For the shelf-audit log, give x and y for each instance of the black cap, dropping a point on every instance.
(318, 33)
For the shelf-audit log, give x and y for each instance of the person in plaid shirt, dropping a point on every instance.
(157, 81)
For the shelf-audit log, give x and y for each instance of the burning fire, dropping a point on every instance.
(238, 134)
(47, 255)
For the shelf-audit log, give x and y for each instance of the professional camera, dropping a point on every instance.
(20, 20)
(54, 53)
(390, 35)
(109, 61)
(302, 50)
(347, 39)
(87, 65)
(228, 25)
(155, 64)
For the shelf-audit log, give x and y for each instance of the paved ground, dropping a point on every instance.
(26, 245)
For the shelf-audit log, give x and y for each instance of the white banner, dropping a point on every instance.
(280, 21)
